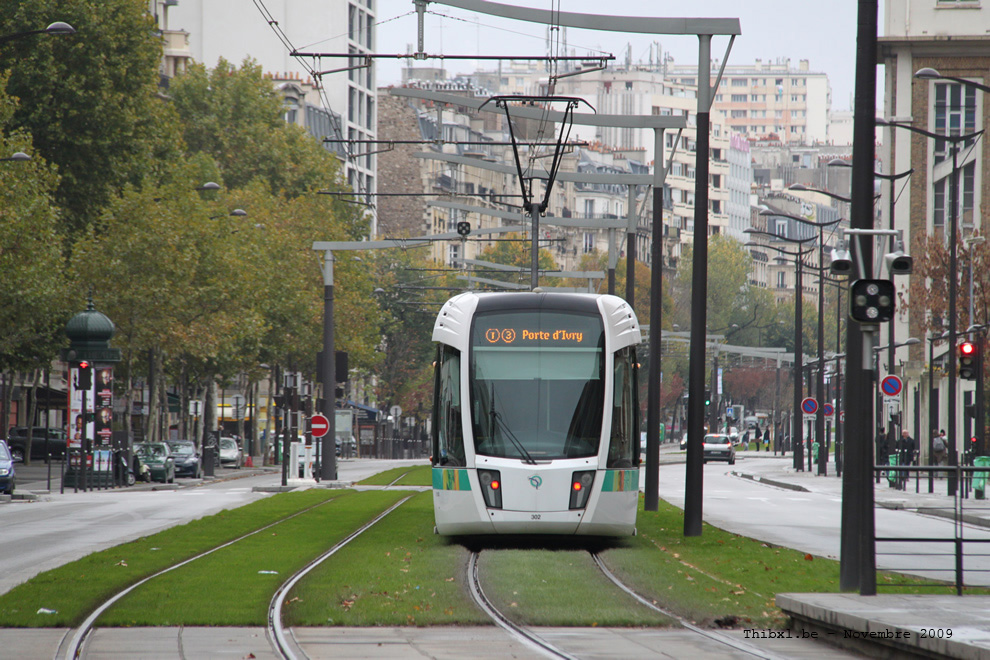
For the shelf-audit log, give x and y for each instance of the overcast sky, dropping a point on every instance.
(822, 32)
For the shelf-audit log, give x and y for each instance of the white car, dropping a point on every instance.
(230, 452)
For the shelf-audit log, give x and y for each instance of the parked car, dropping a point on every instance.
(158, 458)
(17, 438)
(187, 461)
(7, 477)
(230, 452)
(718, 447)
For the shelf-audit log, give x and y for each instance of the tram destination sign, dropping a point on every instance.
(546, 330)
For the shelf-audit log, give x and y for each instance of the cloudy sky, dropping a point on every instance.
(823, 32)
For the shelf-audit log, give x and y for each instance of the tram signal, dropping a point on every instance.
(872, 301)
(85, 370)
(969, 360)
(463, 228)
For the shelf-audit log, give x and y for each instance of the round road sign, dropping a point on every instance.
(320, 425)
(828, 409)
(809, 406)
(891, 385)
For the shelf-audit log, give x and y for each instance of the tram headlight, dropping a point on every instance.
(491, 488)
(581, 483)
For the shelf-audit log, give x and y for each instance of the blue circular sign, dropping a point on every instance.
(809, 406)
(891, 385)
(828, 409)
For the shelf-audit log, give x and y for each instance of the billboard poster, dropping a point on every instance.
(104, 405)
(77, 420)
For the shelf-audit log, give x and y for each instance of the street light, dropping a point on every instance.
(17, 157)
(56, 28)
(932, 426)
(820, 382)
(929, 73)
(954, 140)
(796, 430)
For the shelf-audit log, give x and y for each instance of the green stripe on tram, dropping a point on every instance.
(450, 479)
(620, 480)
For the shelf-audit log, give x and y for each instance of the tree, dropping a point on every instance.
(235, 116)
(513, 250)
(728, 275)
(88, 99)
(642, 289)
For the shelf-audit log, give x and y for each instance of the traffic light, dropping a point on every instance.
(708, 397)
(85, 370)
(969, 360)
(872, 301)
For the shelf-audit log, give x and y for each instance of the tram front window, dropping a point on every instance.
(537, 385)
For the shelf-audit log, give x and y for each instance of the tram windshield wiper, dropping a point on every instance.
(501, 425)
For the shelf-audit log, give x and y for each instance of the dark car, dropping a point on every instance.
(719, 447)
(158, 458)
(17, 439)
(187, 461)
(7, 477)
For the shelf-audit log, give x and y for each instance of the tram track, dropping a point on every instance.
(77, 637)
(282, 643)
(532, 639)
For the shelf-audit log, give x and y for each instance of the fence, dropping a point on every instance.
(965, 491)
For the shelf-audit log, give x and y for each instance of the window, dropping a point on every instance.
(589, 242)
(955, 114)
(740, 82)
(738, 114)
(589, 208)
(781, 279)
(448, 435)
(623, 448)
(738, 98)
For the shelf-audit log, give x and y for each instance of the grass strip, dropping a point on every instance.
(234, 586)
(395, 574)
(560, 587)
(410, 475)
(64, 596)
(724, 577)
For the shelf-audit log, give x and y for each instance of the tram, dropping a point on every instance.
(536, 415)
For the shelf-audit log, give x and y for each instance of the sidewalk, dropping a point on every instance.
(885, 625)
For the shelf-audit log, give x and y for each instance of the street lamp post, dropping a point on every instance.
(56, 28)
(820, 382)
(796, 417)
(955, 141)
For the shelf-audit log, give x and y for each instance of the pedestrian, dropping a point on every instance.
(758, 437)
(906, 447)
(939, 448)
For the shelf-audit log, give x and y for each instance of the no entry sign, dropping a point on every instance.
(320, 425)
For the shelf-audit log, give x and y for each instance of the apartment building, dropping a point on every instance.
(767, 98)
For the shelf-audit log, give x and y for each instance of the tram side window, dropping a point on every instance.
(622, 445)
(448, 437)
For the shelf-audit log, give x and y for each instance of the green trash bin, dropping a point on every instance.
(814, 452)
(980, 478)
(891, 474)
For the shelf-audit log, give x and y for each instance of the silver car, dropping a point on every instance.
(719, 447)
(230, 453)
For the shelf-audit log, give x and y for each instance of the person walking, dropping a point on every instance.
(939, 448)
(906, 447)
(758, 437)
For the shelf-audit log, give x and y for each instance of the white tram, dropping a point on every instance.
(536, 415)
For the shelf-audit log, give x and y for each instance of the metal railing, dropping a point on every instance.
(965, 488)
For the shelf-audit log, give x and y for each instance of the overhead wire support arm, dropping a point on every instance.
(441, 56)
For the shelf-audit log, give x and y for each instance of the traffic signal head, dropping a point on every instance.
(969, 360)
(872, 301)
(463, 228)
(708, 397)
(85, 369)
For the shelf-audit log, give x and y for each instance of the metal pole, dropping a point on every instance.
(651, 499)
(931, 412)
(797, 442)
(857, 544)
(534, 276)
(694, 474)
(820, 386)
(953, 283)
(328, 462)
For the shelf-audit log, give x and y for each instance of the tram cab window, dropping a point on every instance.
(623, 446)
(537, 384)
(448, 436)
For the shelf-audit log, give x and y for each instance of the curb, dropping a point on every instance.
(769, 482)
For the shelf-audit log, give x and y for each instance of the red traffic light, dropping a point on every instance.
(84, 365)
(967, 348)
